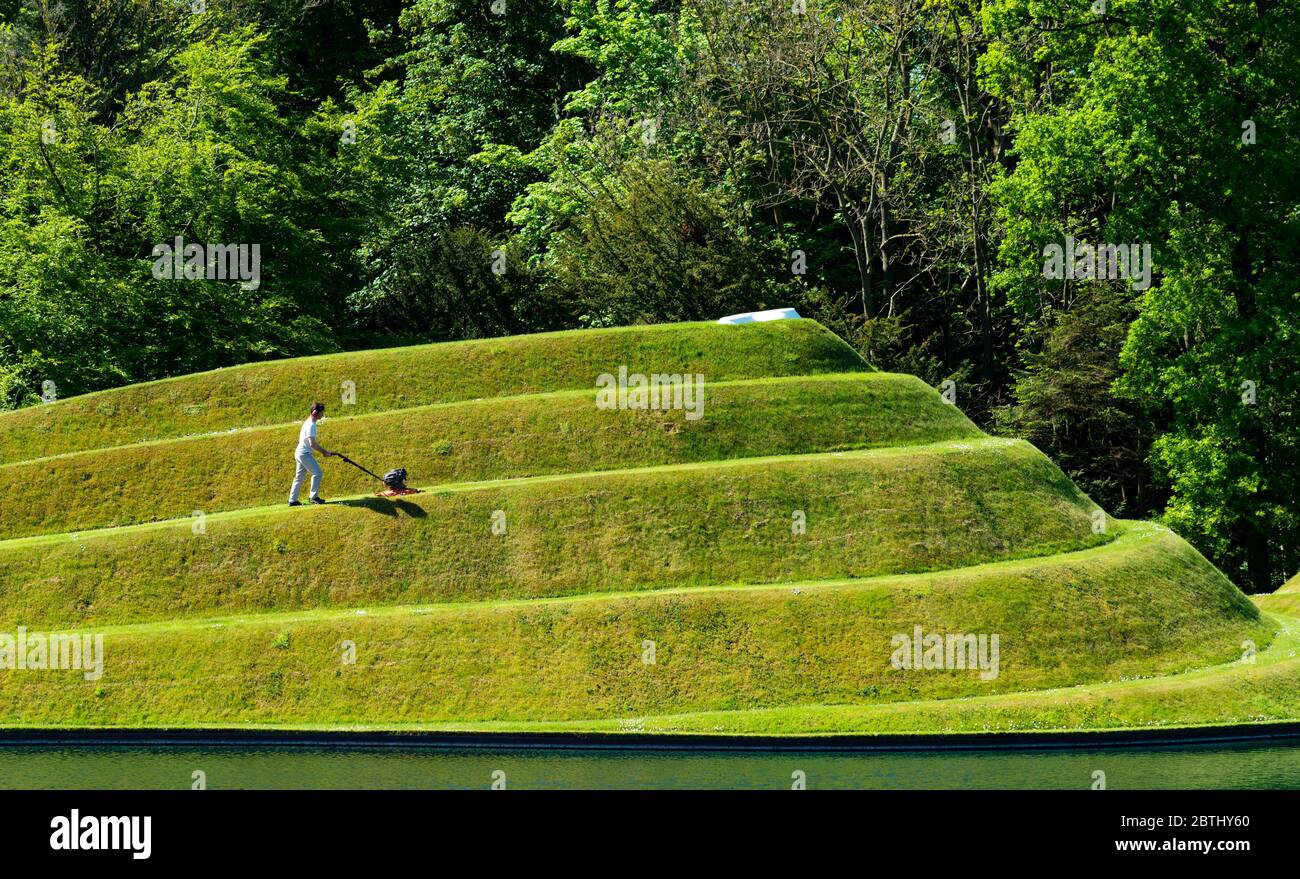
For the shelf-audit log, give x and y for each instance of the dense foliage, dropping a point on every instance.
(899, 169)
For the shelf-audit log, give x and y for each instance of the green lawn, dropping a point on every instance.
(495, 438)
(1280, 602)
(1144, 604)
(279, 392)
(1286, 600)
(768, 554)
(867, 513)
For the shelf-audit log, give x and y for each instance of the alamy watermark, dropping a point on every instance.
(950, 652)
(659, 391)
(37, 652)
(1080, 261)
(77, 832)
(176, 261)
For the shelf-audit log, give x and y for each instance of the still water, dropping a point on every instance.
(1275, 764)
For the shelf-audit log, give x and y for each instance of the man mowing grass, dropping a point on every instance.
(306, 463)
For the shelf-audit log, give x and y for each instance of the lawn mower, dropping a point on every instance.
(394, 479)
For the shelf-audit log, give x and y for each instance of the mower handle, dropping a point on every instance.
(358, 466)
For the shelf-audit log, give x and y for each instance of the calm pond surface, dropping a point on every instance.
(1275, 764)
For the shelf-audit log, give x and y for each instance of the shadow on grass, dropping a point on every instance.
(387, 506)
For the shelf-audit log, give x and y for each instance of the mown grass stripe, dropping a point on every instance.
(280, 510)
(716, 649)
(1228, 693)
(1126, 535)
(472, 442)
(1279, 602)
(866, 514)
(514, 399)
(275, 392)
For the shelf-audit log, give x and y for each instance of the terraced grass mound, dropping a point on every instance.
(1286, 600)
(1259, 692)
(496, 438)
(1280, 602)
(715, 648)
(865, 513)
(572, 567)
(279, 392)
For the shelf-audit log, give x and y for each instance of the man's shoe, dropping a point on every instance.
(295, 503)
(317, 500)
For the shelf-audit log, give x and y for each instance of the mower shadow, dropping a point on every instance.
(387, 506)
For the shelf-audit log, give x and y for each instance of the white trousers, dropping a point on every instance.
(306, 464)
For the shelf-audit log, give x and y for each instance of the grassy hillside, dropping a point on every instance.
(489, 439)
(867, 513)
(715, 648)
(768, 553)
(1286, 600)
(1280, 602)
(278, 392)
(1260, 692)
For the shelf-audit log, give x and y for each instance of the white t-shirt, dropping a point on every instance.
(305, 436)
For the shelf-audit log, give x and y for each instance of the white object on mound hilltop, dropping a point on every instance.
(750, 317)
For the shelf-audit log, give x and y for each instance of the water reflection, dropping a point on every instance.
(1240, 766)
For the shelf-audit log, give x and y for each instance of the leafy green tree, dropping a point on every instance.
(478, 91)
(1168, 124)
(203, 154)
(1065, 403)
(654, 244)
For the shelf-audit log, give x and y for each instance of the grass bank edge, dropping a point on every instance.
(1126, 534)
(540, 661)
(276, 391)
(764, 723)
(474, 442)
(866, 514)
(279, 510)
